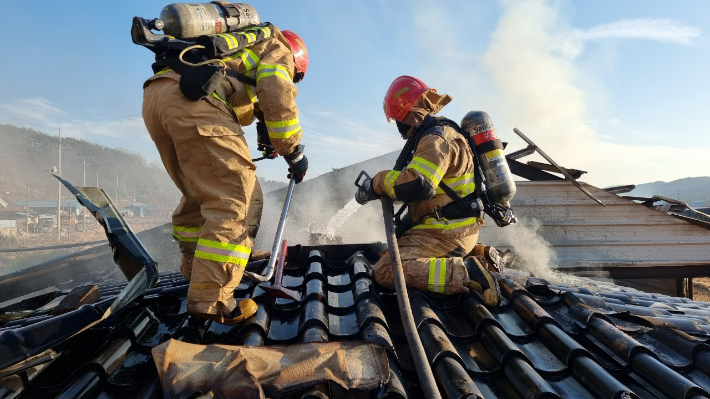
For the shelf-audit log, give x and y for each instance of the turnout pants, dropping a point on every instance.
(432, 260)
(205, 153)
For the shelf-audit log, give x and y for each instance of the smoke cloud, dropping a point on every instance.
(323, 211)
(663, 30)
(533, 61)
(535, 254)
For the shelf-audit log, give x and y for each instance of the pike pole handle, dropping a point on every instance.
(269, 271)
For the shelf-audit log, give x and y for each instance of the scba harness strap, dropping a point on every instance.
(461, 207)
(200, 81)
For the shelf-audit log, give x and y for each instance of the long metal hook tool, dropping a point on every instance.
(277, 289)
(269, 271)
(553, 163)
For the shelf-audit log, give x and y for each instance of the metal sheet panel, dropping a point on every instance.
(584, 234)
(7, 223)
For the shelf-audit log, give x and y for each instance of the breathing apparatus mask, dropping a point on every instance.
(403, 129)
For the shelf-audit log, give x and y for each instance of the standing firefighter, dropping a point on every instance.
(202, 146)
(435, 159)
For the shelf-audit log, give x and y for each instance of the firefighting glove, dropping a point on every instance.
(297, 165)
(366, 193)
(264, 142)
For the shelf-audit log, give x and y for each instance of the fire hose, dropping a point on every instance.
(426, 377)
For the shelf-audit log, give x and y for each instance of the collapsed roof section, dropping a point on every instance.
(624, 238)
(545, 340)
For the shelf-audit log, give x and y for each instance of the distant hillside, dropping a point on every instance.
(26, 155)
(690, 189)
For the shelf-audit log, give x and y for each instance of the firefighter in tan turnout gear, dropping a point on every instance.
(203, 148)
(433, 249)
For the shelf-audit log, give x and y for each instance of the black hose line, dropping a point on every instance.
(426, 377)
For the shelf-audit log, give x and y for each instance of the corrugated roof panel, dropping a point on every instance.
(545, 340)
(585, 234)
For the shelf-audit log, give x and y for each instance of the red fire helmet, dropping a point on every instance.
(300, 54)
(403, 92)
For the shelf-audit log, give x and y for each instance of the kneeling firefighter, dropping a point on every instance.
(436, 175)
(202, 91)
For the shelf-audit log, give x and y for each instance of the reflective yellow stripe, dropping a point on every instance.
(442, 275)
(264, 29)
(390, 178)
(444, 224)
(250, 92)
(266, 70)
(463, 185)
(163, 71)
(187, 234)
(251, 37)
(222, 252)
(215, 95)
(426, 168)
(493, 154)
(437, 275)
(251, 60)
(231, 40)
(283, 129)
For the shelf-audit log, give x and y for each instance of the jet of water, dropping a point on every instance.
(340, 217)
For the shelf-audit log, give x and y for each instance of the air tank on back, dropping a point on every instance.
(186, 21)
(499, 181)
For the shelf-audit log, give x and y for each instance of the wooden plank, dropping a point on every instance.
(79, 296)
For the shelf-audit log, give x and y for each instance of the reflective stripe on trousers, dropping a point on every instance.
(187, 234)
(437, 275)
(222, 252)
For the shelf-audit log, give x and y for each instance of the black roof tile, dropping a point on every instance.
(545, 341)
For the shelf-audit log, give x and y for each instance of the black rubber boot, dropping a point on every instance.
(482, 281)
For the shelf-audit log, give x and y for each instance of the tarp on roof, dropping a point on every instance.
(242, 371)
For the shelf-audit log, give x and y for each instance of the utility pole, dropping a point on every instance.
(59, 194)
(83, 208)
(97, 186)
(27, 211)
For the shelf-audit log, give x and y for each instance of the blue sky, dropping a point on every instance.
(619, 89)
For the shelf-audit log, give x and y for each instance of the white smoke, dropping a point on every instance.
(533, 253)
(533, 60)
(663, 30)
(325, 207)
